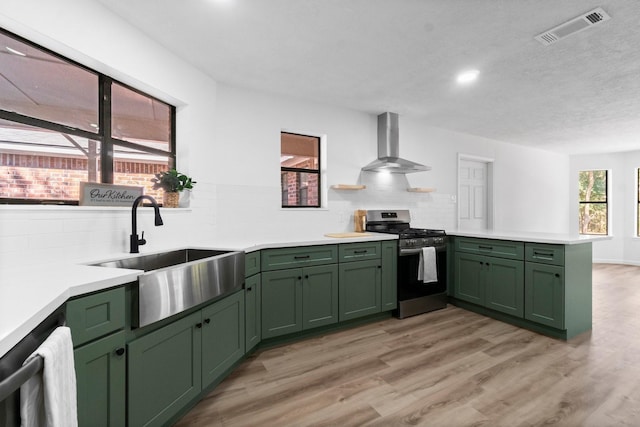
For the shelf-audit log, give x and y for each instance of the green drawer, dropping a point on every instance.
(282, 258)
(358, 251)
(251, 263)
(544, 253)
(96, 315)
(497, 248)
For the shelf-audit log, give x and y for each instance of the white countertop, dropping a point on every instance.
(29, 296)
(562, 239)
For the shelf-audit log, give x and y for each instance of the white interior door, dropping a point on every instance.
(473, 195)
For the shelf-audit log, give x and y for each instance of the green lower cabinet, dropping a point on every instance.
(469, 277)
(360, 289)
(100, 379)
(281, 302)
(504, 286)
(544, 288)
(164, 370)
(253, 312)
(223, 333)
(491, 282)
(319, 296)
(389, 283)
(299, 298)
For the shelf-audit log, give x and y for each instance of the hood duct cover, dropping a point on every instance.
(389, 159)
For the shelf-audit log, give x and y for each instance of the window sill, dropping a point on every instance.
(74, 208)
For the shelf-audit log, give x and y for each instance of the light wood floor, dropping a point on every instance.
(446, 368)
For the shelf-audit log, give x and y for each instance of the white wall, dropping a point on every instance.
(624, 247)
(228, 140)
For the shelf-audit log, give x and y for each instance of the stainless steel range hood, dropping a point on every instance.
(389, 159)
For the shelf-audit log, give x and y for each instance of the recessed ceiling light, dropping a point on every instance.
(15, 52)
(467, 76)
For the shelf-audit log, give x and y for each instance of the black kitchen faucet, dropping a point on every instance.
(135, 243)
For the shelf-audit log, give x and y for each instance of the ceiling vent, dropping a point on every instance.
(582, 22)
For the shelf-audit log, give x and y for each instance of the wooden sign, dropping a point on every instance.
(95, 194)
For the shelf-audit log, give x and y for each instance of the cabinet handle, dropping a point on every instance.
(542, 254)
(379, 266)
(489, 248)
(306, 276)
(199, 325)
(249, 289)
(360, 252)
(119, 351)
(481, 262)
(301, 257)
(487, 263)
(207, 321)
(299, 277)
(557, 274)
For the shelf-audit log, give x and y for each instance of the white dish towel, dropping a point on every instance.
(427, 268)
(49, 399)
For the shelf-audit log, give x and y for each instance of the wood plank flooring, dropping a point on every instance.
(446, 368)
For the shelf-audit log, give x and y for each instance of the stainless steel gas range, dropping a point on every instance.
(414, 295)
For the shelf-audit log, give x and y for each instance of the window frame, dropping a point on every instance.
(318, 171)
(592, 202)
(103, 134)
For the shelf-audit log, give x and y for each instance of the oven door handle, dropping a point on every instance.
(414, 251)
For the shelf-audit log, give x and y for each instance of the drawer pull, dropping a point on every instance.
(207, 321)
(360, 252)
(199, 325)
(249, 289)
(557, 274)
(543, 255)
(119, 351)
(489, 248)
(301, 257)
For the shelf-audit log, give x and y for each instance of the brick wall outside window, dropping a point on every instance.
(25, 176)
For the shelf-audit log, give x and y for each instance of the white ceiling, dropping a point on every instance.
(579, 95)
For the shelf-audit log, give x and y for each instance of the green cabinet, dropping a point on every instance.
(164, 371)
(96, 322)
(542, 286)
(504, 286)
(101, 381)
(253, 311)
(170, 366)
(545, 294)
(389, 279)
(469, 277)
(360, 289)
(297, 299)
(490, 281)
(223, 336)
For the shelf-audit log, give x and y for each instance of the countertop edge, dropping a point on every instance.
(550, 238)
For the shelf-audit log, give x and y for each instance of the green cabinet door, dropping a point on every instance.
(319, 296)
(389, 280)
(164, 371)
(504, 285)
(222, 336)
(544, 294)
(100, 379)
(469, 277)
(253, 316)
(281, 302)
(359, 288)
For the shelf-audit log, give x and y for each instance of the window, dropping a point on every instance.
(300, 170)
(593, 202)
(62, 123)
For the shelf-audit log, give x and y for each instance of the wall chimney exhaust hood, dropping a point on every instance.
(388, 149)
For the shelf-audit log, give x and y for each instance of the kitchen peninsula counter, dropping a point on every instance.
(531, 237)
(29, 296)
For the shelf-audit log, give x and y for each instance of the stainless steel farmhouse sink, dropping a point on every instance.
(177, 280)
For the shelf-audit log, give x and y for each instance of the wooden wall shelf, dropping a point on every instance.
(348, 187)
(421, 190)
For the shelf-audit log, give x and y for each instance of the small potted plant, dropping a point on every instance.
(172, 182)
